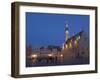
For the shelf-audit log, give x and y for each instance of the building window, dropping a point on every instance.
(78, 38)
(70, 45)
(66, 46)
(76, 44)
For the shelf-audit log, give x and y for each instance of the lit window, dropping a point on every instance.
(76, 44)
(66, 46)
(78, 38)
(70, 45)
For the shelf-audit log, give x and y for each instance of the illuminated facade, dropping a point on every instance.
(72, 41)
(66, 36)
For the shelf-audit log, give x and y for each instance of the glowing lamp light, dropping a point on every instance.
(49, 55)
(61, 55)
(34, 56)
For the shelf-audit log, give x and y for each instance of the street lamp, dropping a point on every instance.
(33, 56)
(49, 55)
(61, 55)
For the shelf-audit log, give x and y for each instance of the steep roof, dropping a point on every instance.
(75, 36)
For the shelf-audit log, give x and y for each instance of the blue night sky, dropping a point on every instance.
(44, 29)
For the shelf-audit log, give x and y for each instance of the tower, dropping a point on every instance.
(66, 31)
(64, 45)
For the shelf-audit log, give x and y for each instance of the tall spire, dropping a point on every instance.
(66, 31)
(64, 45)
